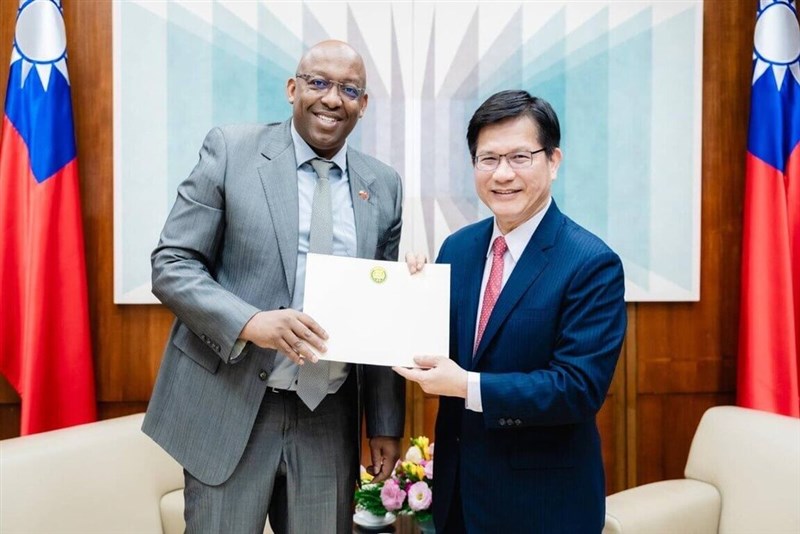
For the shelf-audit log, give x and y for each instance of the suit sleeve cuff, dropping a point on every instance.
(474, 392)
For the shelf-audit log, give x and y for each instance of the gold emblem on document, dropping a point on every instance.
(378, 275)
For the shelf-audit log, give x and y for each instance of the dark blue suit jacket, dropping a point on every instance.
(531, 462)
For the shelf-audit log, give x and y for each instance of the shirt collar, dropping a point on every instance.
(303, 153)
(517, 239)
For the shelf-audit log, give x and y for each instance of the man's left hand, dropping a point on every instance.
(439, 375)
(385, 453)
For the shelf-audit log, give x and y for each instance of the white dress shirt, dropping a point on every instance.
(517, 239)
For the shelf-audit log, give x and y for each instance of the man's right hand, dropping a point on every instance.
(416, 262)
(289, 331)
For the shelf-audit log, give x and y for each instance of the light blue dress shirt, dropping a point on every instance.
(284, 373)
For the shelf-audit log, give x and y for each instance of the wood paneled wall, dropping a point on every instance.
(678, 359)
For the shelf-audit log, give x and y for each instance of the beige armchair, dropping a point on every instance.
(742, 476)
(101, 478)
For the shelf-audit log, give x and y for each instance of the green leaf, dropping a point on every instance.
(368, 497)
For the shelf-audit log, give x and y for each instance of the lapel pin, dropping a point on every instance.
(363, 195)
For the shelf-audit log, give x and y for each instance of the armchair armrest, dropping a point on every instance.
(687, 506)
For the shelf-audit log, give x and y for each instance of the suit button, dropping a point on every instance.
(517, 422)
(262, 375)
(501, 422)
(509, 421)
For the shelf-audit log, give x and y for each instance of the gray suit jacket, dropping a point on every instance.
(228, 250)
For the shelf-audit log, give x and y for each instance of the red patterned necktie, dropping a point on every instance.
(493, 286)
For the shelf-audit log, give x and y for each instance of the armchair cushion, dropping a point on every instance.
(685, 506)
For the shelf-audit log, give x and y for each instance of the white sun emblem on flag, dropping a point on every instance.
(776, 42)
(40, 40)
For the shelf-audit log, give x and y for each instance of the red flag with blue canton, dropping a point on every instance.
(45, 344)
(769, 335)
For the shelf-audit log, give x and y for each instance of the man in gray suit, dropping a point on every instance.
(258, 423)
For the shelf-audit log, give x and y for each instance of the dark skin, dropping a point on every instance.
(325, 119)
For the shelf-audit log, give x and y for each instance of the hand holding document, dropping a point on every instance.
(376, 312)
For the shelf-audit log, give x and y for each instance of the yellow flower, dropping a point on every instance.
(365, 476)
(422, 442)
(413, 471)
(419, 471)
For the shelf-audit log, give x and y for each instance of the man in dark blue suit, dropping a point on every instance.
(537, 319)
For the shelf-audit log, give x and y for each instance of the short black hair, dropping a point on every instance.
(512, 104)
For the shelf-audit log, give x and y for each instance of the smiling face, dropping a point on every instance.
(514, 195)
(324, 119)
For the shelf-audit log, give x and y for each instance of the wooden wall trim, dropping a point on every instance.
(631, 395)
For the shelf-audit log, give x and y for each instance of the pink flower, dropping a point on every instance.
(429, 470)
(392, 496)
(419, 496)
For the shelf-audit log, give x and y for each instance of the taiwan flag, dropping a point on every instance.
(769, 336)
(45, 346)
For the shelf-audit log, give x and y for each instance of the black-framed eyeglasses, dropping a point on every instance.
(516, 160)
(322, 85)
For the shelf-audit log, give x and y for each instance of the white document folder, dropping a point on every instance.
(376, 312)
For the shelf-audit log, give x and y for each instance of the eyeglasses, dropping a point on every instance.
(515, 160)
(318, 84)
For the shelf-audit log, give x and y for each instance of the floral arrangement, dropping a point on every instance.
(408, 491)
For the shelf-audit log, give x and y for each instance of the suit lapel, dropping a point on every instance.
(528, 268)
(279, 179)
(472, 290)
(364, 209)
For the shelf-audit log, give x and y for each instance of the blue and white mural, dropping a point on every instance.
(625, 78)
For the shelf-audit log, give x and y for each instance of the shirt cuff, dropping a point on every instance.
(474, 392)
(237, 349)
